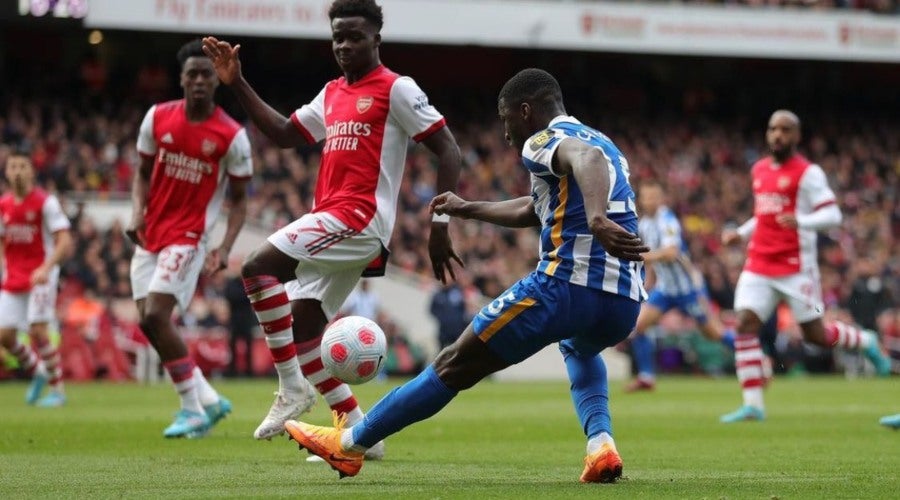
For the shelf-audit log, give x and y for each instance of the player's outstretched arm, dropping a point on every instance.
(273, 124)
(733, 236)
(591, 173)
(518, 212)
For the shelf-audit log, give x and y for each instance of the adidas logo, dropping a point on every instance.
(167, 138)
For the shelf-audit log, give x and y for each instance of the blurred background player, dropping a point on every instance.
(892, 421)
(34, 239)
(676, 283)
(191, 151)
(791, 202)
(366, 118)
(584, 294)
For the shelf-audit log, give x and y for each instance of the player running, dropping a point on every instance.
(366, 118)
(191, 152)
(677, 285)
(791, 202)
(34, 239)
(584, 294)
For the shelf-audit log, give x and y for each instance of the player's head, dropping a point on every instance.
(355, 34)
(651, 196)
(19, 171)
(198, 75)
(783, 134)
(527, 103)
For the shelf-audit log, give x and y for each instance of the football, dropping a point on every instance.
(353, 349)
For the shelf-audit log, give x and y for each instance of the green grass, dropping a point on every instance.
(496, 441)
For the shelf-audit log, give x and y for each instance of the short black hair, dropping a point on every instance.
(366, 9)
(194, 48)
(533, 85)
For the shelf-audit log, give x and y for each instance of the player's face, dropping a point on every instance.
(650, 198)
(198, 79)
(354, 41)
(782, 135)
(515, 124)
(19, 172)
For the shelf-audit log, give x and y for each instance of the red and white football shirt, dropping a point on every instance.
(366, 126)
(796, 186)
(26, 228)
(188, 181)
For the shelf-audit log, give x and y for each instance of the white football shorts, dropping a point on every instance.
(173, 271)
(761, 294)
(20, 310)
(331, 258)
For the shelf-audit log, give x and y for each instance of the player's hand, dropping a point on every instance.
(216, 261)
(40, 276)
(730, 237)
(787, 220)
(224, 58)
(135, 230)
(440, 249)
(617, 241)
(448, 204)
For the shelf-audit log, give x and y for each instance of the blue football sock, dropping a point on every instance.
(644, 351)
(590, 392)
(413, 401)
(728, 339)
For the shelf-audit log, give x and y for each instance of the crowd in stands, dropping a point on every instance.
(704, 165)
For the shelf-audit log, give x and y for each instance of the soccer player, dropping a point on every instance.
(585, 293)
(791, 202)
(366, 118)
(34, 239)
(192, 153)
(678, 284)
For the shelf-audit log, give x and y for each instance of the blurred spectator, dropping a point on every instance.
(448, 306)
(404, 357)
(242, 327)
(362, 302)
(869, 296)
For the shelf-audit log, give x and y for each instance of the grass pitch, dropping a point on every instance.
(506, 440)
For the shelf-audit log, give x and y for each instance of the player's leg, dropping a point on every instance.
(803, 293)
(13, 314)
(698, 308)
(642, 345)
(159, 283)
(755, 298)
(613, 316)
(41, 312)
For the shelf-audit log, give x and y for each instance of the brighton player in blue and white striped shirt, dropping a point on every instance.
(677, 285)
(585, 293)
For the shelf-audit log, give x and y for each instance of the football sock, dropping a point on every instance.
(642, 346)
(26, 357)
(748, 358)
(51, 358)
(336, 393)
(182, 373)
(415, 400)
(590, 393)
(206, 393)
(273, 310)
(839, 334)
(596, 442)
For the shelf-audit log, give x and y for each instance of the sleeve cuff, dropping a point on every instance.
(306, 135)
(425, 134)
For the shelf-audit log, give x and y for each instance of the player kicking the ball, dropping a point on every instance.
(585, 293)
(299, 278)
(791, 202)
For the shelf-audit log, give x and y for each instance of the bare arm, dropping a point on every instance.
(591, 171)
(518, 212)
(62, 247)
(217, 259)
(140, 186)
(273, 124)
(665, 254)
(440, 248)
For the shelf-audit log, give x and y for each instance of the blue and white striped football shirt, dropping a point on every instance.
(661, 231)
(569, 250)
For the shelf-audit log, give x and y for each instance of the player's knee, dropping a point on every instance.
(253, 266)
(153, 321)
(452, 371)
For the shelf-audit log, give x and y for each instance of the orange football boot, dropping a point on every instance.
(325, 442)
(602, 466)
